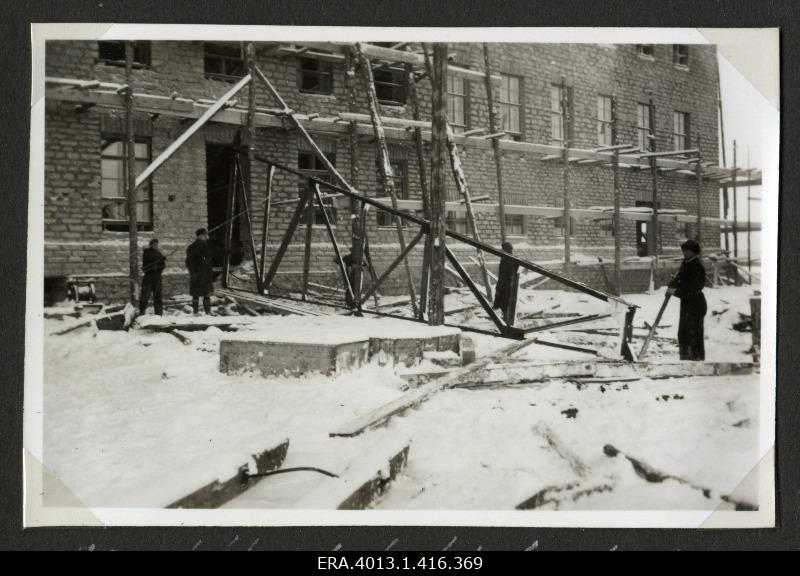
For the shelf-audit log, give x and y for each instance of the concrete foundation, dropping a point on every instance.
(408, 348)
(334, 345)
(273, 358)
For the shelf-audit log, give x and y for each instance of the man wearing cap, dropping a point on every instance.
(688, 285)
(153, 263)
(200, 263)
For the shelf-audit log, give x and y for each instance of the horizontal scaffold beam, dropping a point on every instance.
(107, 95)
(633, 215)
(384, 53)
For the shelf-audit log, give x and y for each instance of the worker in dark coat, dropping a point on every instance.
(153, 264)
(506, 283)
(200, 263)
(352, 268)
(688, 285)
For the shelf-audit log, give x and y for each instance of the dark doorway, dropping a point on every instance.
(219, 166)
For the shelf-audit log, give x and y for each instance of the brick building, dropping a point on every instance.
(85, 213)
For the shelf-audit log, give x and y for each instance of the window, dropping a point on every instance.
(310, 165)
(511, 105)
(400, 179)
(680, 130)
(114, 178)
(515, 224)
(681, 231)
(390, 81)
(556, 116)
(223, 61)
(558, 227)
(457, 103)
(645, 50)
(643, 139)
(314, 76)
(607, 229)
(112, 52)
(604, 120)
(680, 54)
(457, 222)
(390, 86)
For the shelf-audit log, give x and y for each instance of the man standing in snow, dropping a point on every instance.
(153, 263)
(505, 292)
(688, 285)
(200, 263)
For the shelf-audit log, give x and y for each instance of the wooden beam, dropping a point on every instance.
(332, 236)
(130, 185)
(401, 258)
(485, 304)
(385, 165)
(494, 125)
(438, 194)
(199, 123)
(265, 222)
(287, 238)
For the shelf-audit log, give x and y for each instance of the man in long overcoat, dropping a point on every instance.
(153, 263)
(688, 285)
(506, 279)
(200, 263)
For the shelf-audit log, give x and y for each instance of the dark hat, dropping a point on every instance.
(691, 245)
(200, 232)
(507, 247)
(153, 241)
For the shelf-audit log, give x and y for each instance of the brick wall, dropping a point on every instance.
(75, 242)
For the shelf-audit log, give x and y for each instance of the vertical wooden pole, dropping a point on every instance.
(229, 212)
(749, 225)
(248, 218)
(461, 185)
(357, 210)
(725, 202)
(385, 166)
(493, 129)
(130, 149)
(699, 233)
(247, 191)
(265, 223)
(423, 185)
(617, 198)
(734, 170)
(654, 172)
(309, 232)
(438, 183)
(565, 157)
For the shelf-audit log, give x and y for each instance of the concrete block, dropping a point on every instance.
(408, 347)
(292, 354)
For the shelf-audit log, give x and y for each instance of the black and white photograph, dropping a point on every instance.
(292, 276)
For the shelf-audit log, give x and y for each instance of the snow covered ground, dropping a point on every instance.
(140, 419)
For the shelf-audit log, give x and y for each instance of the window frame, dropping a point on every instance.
(643, 131)
(647, 51)
(382, 218)
(452, 97)
(509, 105)
(456, 221)
(121, 224)
(680, 55)
(142, 49)
(318, 73)
(321, 174)
(510, 227)
(224, 58)
(685, 134)
(604, 125)
(559, 231)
